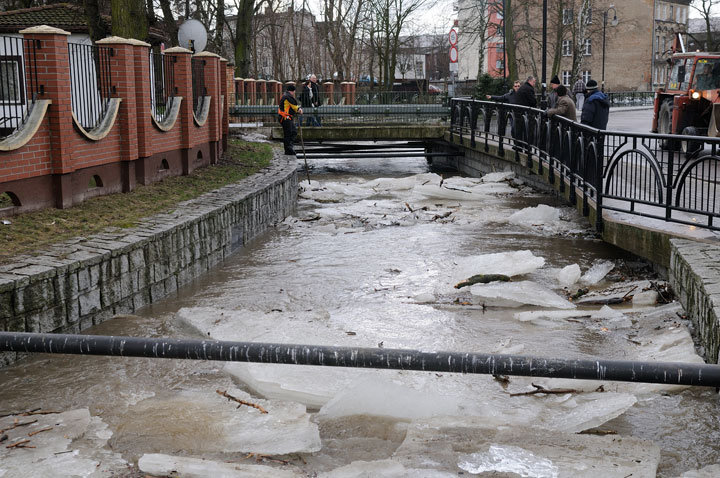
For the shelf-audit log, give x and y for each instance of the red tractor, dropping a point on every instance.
(689, 104)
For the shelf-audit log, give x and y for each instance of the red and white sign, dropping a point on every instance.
(452, 36)
(453, 54)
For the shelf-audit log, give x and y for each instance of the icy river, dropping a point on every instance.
(370, 259)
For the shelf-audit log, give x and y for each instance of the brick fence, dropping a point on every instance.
(61, 165)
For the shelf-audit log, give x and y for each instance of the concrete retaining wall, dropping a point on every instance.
(85, 281)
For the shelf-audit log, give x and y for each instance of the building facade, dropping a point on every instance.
(636, 35)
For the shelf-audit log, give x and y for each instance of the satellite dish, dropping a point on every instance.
(192, 35)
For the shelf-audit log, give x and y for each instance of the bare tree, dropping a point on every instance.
(340, 29)
(475, 25)
(704, 8)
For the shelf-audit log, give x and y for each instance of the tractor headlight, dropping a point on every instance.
(695, 95)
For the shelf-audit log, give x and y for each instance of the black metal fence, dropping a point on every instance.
(198, 84)
(19, 87)
(631, 98)
(665, 177)
(162, 71)
(90, 82)
(369, 97)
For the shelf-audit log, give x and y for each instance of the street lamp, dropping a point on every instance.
(613, 23)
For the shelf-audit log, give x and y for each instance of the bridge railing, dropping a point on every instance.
(641, 174)
(348, 115)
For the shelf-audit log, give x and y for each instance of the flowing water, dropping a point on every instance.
(372, 262)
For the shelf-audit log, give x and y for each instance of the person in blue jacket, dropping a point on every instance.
(596, 109)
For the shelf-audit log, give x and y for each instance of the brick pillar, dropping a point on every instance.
(183, 88)
(240, 91)
(250, 92)
(345, 89)
(143, 109)
(54, 79)
(261, 86)
(328, 89)
(274, 91)
(352, 92)
(122, 65)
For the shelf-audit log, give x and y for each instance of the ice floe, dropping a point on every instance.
(188, 467)
(569, 275)
(597, 272)
(506, 263)
(515, 294)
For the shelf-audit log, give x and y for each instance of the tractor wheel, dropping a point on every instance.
(665, 123)
(691, 148)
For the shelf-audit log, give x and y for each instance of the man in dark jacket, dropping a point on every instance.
(525, 95)
(310, 97)
(596, 109)
(286, 112)
(553, 96)
(508, 97)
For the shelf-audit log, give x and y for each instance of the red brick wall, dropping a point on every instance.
(133, 148)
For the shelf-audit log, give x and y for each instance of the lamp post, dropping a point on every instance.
(613, 22)
(543, 101)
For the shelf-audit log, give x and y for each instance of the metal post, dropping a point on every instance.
(605, 14)
(693, 374)
(504, 51)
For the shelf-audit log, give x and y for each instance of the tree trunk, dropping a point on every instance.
(169, 20)
(98, 31)
(511, 67)
(243, 29)
(129, 19)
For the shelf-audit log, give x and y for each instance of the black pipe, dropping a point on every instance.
(399, 359)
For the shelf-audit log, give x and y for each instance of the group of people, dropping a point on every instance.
(593, 103)
(289, 107)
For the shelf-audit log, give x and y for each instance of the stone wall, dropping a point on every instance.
(84, 281)
(695, 276)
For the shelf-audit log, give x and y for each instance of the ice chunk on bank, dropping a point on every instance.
(597, 272)
(383, 469)
(515, 294)
(167, 465)
(378, 397)
(196, 422)
(533, 216)
(569, 275)
(712, 471)
(509, 459)
(427, 445)
(497, 177)
(506, 263)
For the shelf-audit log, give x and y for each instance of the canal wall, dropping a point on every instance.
(84, 281)
(692, 267)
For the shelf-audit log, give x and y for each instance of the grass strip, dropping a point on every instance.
(30, 232)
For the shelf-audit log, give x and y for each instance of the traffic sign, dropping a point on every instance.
(453, 37)
(453, 54)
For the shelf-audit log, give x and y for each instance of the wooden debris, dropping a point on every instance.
(241, 402)
(482, 279)
(17, 424)
(441, 216)
(580, 292)
(20, 444)
(9, 414)
(261, 457)
(40, 431)
(598, 432)
(504, 380)
(539, 389)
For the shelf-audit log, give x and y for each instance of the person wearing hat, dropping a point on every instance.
(286, 109)
(553, 96)
(565, 105)
(596, 109)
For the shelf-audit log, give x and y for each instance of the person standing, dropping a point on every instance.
(310, 97)
(579, 92)
(508, 97)
(286, 110)
(553, 96)
(525, 95)
(565, 105)
(596, 109)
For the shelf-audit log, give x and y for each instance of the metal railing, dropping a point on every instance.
(199, 90)
(372, 97)
(19, 86)
(354, 115)
(641, 174)
(90, 82)
(162, 72)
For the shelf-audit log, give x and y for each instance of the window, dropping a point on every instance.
(11, 82)
(672, 13)
(586, 76)
(567, 16)
(499, 65)
(587, 47)
(588, 20)
(500, 48)
(566, 78)
(566, 48)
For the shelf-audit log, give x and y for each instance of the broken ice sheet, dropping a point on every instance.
(506, 263)
(509, 459)
(196, 422)
(383, 469)
(167, 465)
(442, 445)
(532, 216)
(569, 275)
(515, 294)
(597, 272)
